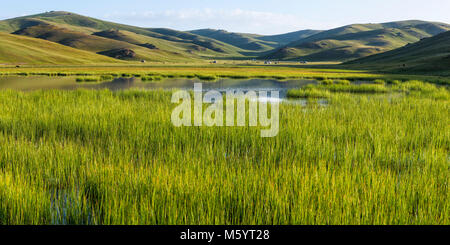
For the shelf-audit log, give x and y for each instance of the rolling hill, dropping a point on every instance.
(356, 41)
(164, 44)
(204, 43)
(93, 43)
(85, 31)
(15, 49)
(129, 43)
(428, 55)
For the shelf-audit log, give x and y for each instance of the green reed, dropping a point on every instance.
(102, 157)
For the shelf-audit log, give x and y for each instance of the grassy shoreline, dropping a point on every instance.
(237, 72)
(332, 88)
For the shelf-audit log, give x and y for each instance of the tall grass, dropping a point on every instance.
(101, 78)
(311, 92)
(363, 88)
(412, 88)
(325, 90)
(151, 78)
(102, 157)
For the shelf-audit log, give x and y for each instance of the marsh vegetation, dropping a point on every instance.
(86, 135)
(102, 157)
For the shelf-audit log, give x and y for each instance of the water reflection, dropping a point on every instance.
(222, 85)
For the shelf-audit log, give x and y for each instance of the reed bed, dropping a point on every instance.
(310, 92)
(329, 87)
(102, 78)
(326, 90)
(219, 71)
(102, 157)
(151, 78)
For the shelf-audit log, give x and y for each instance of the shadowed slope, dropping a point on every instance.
(356, 41)
(254, 42)
(429, 54)
(93, 43)
(161, 44)
(241, 40)
(16, 49)
(178, 43)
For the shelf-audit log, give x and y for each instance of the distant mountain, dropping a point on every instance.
(356, 41)
(284, 39)
(203, 42)
(253, 42)
(241, 40)
(430, 54)
(16, 49)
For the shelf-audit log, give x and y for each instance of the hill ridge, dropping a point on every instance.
(358, 40)
(344, 43)
(428, 55)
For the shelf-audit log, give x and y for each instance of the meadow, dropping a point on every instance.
(234, 70)
(102, 157)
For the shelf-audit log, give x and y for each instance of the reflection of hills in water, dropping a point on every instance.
(118, 84)
(222, 85)
(255, 84)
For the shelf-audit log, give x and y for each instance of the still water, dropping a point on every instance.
(222, 85)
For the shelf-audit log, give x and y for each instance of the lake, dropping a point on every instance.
(68, 83)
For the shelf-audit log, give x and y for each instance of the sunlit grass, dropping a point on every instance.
(102, 157)
(412, 88)
(309, 92)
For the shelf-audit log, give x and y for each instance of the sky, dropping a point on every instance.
(248, 16)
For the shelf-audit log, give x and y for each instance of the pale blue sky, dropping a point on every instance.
(255, 16)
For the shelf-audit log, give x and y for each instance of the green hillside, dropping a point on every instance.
(430, 54)
(356, 41)
(67, 18)
(16, 49)
(95, 43)
(125, 42)
(173, 45)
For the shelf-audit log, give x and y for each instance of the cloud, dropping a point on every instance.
(236, 20)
